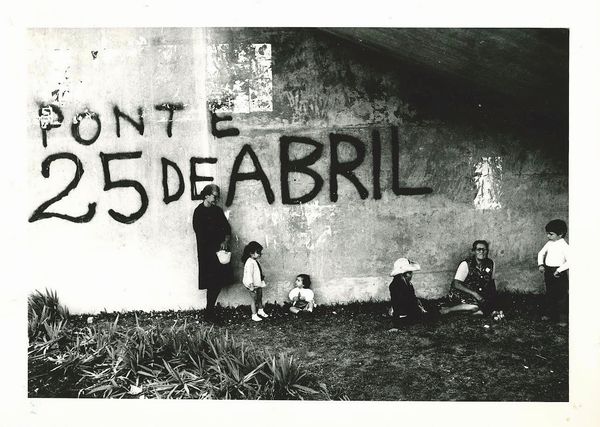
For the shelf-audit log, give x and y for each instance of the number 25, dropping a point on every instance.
(40, 212)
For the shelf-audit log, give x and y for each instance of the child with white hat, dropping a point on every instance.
(406, 307)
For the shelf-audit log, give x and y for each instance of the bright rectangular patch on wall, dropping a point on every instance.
(488, 181)
(239, 78)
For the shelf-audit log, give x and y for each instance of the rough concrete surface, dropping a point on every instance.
(478, 177)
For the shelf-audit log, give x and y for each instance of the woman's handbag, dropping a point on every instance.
(224, 256)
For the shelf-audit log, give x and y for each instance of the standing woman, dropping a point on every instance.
(212, 234)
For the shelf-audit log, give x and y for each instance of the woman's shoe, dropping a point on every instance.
(256, 318)
(262, 313)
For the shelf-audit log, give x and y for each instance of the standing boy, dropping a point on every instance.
(553, 262)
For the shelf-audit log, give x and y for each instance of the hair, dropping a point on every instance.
(208, 190)
(481, 242)
(406, 274)
(557, 226)
(250, 249)
(305, 280)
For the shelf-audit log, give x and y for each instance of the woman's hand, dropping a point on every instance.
(477, 296)
(225, 244)
(556, 274)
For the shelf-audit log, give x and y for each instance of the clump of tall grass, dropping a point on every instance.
(108, 360)
(46, 316)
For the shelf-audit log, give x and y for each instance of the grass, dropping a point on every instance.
(136, 361)
(346, 352)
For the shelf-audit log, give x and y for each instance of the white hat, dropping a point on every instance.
(402, 265)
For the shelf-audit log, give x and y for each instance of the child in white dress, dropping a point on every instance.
(254, 279)
(302, 298)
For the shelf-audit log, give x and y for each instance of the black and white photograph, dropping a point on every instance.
(278, 219)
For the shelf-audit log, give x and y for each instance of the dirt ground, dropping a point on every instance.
(456, 358)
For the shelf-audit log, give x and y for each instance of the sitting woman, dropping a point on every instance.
(406, 307)
(473, 289)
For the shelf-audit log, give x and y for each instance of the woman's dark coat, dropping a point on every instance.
(211, 227)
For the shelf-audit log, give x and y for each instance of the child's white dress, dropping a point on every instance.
(253, 277)
(305, 297)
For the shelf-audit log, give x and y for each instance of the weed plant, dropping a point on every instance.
(109, 360)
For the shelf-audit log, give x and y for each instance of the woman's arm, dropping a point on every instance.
(493, 278)
(196, 220)
(225, 243)
(461, 274)
(248, 278)
(226, 231)
(457, 284)
(256, 279)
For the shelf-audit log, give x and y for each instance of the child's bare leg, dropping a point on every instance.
(310, 306)
(259, 302)
(459, 307)
(253, 295)
(294, 310)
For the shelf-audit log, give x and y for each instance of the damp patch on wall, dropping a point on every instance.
(488, 182)
(239, 78)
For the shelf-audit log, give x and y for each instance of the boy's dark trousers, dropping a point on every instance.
(415, 317)
(557, 294)
(398, 322)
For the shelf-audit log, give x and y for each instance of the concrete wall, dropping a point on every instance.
(475, 176)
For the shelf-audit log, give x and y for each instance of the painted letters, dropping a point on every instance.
(40, 212)
(168, 198)
(195, 178)
(299, 166)
(51, 117)
(75, 127)
(109, 184)
(258, 174)
(138, 125)
(170, 108)
(222, 133)
(345, 168)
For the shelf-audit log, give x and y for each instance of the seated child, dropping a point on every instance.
(406, 308)
(302, 298)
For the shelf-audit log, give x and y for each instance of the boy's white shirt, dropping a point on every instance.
(555, 254)
(307, 294)
(251, 273)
